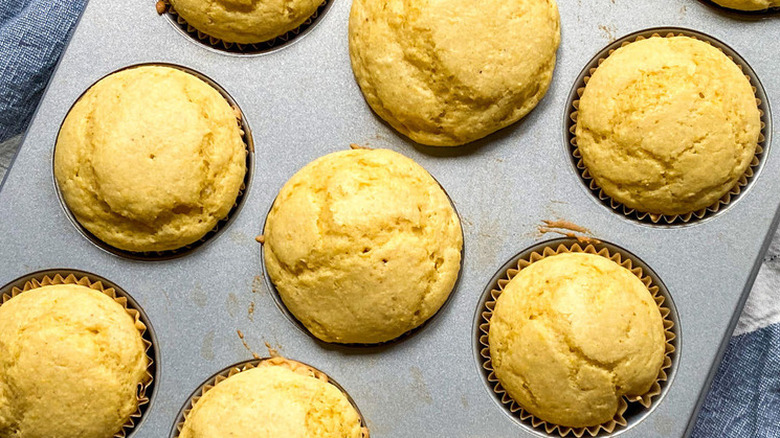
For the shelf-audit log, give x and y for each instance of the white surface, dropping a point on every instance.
(763, 305)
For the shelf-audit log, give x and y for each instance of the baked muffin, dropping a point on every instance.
(363, 246)
(150, 159)
(71, 362)
(279, 398)
(573, 333)
(448, 73)
(245, 21)
(749, 5)
(667, 125)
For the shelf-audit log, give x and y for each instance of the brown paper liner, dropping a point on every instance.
(656, 218)
(148, 378)
(246, 138)
(263, 46)
(618, 420)
(293, 365)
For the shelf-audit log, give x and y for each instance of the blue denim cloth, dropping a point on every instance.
(32, 35)
(744, 400)
(745, 397)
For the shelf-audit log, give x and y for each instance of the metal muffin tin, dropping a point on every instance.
(302, 102)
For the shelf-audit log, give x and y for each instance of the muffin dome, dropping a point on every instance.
(71, 362)
(667, 125)
(749, 5)
(271, 401)
(245, 21)
(150, 159)
(445, 73)
(363, 246)
(571, 334)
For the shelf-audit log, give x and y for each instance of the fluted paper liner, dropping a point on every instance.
(46, 280)
(293, 365)
(260, 47)
(656, 218)
(618, 420)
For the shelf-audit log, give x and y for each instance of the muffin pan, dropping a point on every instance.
(302, 102)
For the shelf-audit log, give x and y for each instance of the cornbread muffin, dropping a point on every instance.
(71, 361)
(571, 334)
(150, 159)
(749, 5)
(273, 401)
(667, 125)
(245, 21)
(445, 73)
(363, 246)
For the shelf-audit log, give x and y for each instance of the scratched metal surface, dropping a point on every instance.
(302, 102)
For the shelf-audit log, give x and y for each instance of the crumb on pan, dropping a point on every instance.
(568, 229)
(243, 341)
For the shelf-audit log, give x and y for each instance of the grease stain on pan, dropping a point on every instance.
(232, 305)
(198, 296)
(207, 347)
(419, 386)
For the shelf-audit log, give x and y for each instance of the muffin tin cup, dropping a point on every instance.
(164, 7)
(60, 277)
(653, 218)
(246, 136)
(627, 405)
(269, 284)
(232, 370)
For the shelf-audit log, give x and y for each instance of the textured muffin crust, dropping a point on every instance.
(571, 334)
(71, 361)
(245, 21)
(445, 73)
(363, 246)
(150, 159)
(273, 401)
(749, 5)
(667, 125)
